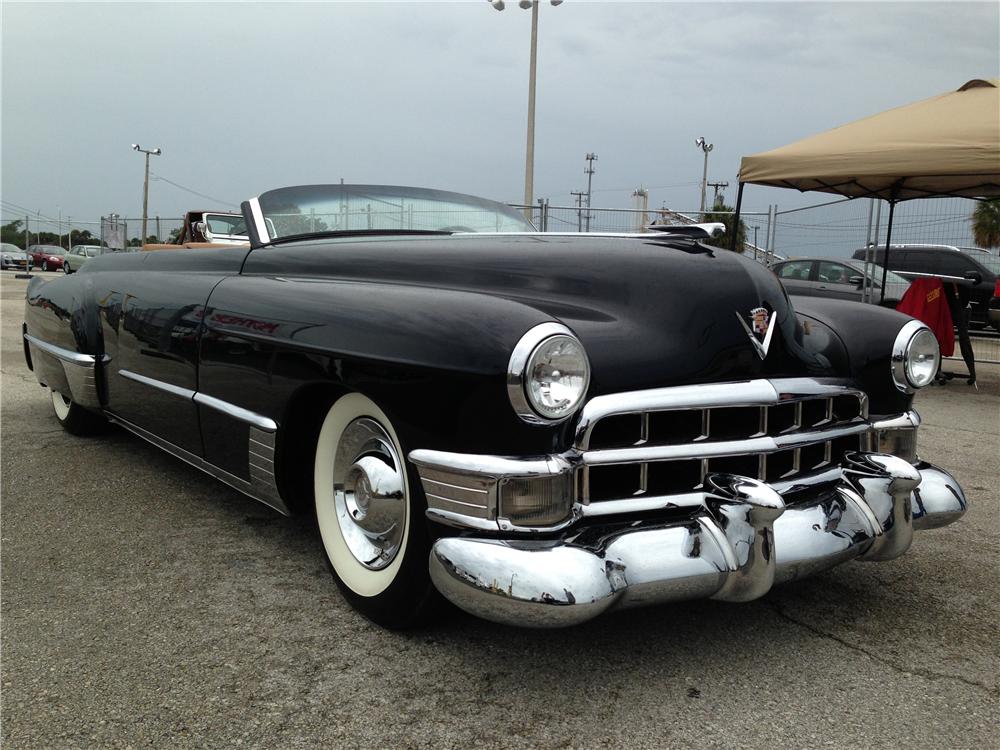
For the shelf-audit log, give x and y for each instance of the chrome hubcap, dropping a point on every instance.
(369, 493)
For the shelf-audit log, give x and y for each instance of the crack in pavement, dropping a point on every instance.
(918, 671)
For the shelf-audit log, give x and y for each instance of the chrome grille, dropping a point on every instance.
(664, 442)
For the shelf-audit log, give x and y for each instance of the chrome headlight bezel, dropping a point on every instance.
(901, 359)
(519, 366)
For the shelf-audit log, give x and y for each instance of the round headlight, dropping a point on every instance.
(922, 358)
(915, 357)
(548, 374)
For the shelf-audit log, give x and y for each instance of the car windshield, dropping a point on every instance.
(49, 249)
(229, 224)
(992, 262)
(322, 209)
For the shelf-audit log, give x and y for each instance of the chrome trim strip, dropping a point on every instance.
(518, 363)
(74, 358)
(750, 446)
(258, 220)
(490, 466)
(643, 504)
(428, 480)
(906, 421)
(259, 491)
(655, 235)
(444, 499)
(265, 424)
(237, 412)
(174, 390)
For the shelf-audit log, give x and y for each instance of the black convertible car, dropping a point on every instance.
(541, 427)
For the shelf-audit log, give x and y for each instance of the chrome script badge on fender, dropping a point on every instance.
(763, 327)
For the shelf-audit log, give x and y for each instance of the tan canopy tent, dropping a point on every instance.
(948, 145)
(945, 145)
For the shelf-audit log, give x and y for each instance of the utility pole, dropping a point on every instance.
(579, 208)
(145, 188)
(589, 171)
(705, 146)
(716, 186)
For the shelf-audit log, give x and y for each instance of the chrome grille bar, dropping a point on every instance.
(751, 446)
(805, 437)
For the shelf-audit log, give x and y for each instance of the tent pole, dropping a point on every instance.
(736, 218)
(888, 244)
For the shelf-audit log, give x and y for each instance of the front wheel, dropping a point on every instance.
(45, 265)
(74, 418)
(66, 269)
(370, 518)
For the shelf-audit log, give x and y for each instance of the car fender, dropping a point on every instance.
(866, 333)
(268, 338)
(61, 320)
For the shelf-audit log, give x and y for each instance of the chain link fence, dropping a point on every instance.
(835, 229)
(112, 231)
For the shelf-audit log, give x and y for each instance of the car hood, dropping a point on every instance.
(649, 312)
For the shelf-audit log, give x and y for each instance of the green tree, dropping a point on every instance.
(725, 214)
(13, 232)
(986, 223)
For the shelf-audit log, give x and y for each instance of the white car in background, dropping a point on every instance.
(13, 257)
(78, 255)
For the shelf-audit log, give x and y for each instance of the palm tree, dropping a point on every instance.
(725, 214)
(986, 223)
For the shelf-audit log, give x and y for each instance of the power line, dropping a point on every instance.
(193, 192)
(648, 187)
(34, 214)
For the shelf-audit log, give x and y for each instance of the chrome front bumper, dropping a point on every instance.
(733, 544)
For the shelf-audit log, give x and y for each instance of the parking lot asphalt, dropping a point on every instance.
(144, 604)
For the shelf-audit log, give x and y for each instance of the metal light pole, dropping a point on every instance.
(706, 147)
(579, 208)
(529, 158)
(145, 188)
(589, 171)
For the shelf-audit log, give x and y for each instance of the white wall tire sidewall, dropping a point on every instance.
(61, 407)
(359, 579)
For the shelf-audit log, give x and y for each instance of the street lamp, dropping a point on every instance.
(145, 186)
(529, 159)
(706, 147)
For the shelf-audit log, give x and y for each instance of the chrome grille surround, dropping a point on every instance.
(818, 423)
(465, 490)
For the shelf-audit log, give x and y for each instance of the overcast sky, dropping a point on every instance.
(247, 97)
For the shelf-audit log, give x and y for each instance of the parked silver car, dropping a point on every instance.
(78, 255)
(13, 257)
(838, 278)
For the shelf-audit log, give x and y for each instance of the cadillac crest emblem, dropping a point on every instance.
(759, 330)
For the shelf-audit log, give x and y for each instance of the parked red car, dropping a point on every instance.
(46, 257)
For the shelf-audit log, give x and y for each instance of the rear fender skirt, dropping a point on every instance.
(78, 376)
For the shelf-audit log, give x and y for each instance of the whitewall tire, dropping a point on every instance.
(371, 521)
(74, 418)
